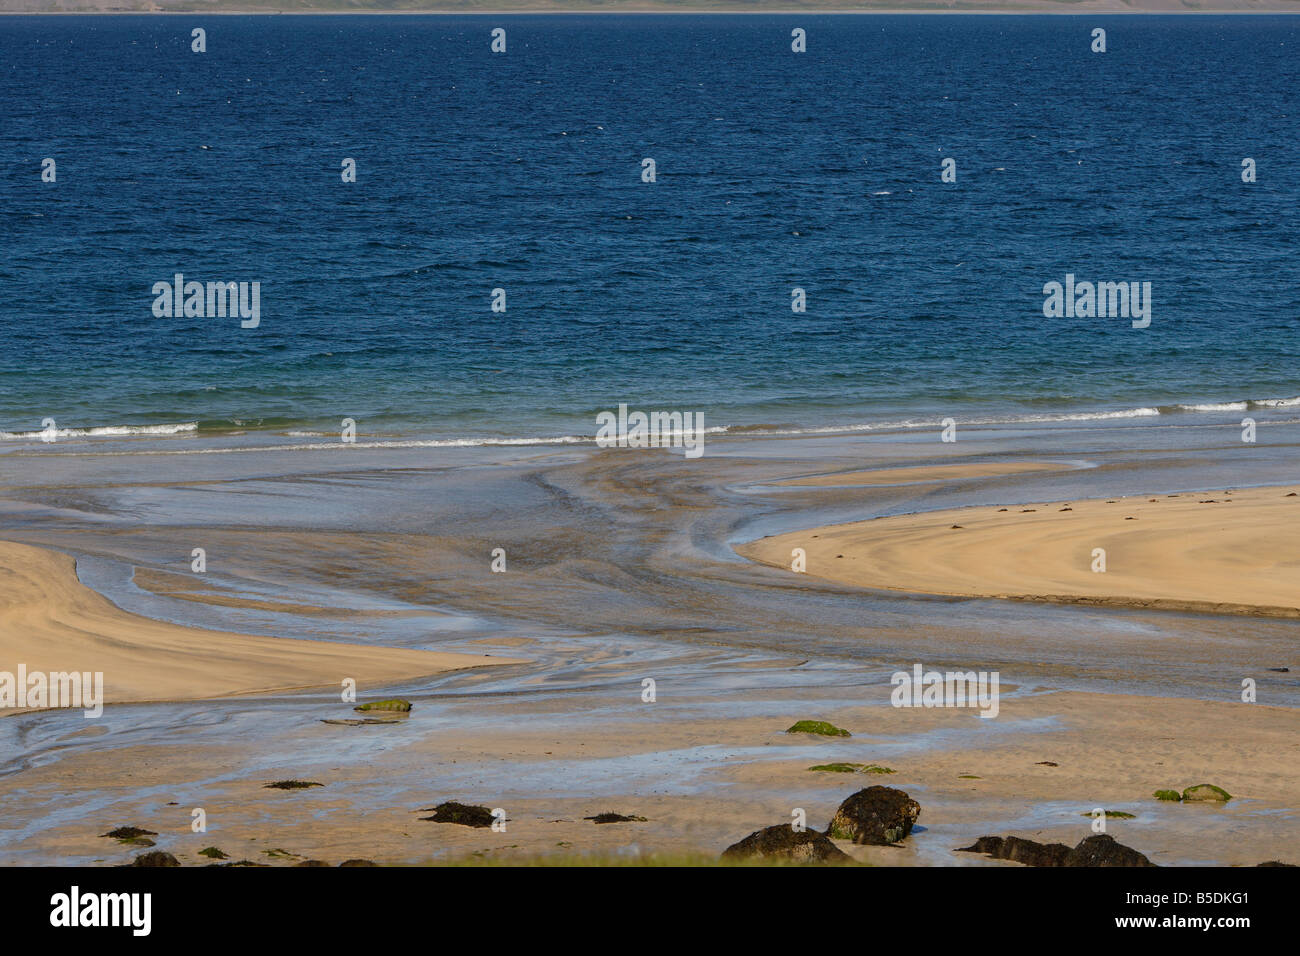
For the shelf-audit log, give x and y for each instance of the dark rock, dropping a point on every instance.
(986, 844)
(1102, 850)
(781, 842)
(462, 813)
(1275, 863)
(1019, 850)
(292, 785)
(877, 816)
(213, 853)
(135, 836)
(615, 818)
(358, 863)
(1098, 850)
(311, 863)
(156, 858)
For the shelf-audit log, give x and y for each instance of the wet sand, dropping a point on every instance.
(557, 763)
(923, 474)
(621, 568)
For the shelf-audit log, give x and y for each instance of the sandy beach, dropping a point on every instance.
(622, 568)
(50, 622)
(1226, 550)
(1060, 756)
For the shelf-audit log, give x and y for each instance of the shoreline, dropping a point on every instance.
(665, 11)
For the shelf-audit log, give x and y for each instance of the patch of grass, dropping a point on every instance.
(821, 728)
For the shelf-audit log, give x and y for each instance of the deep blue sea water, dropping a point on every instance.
(523, 171)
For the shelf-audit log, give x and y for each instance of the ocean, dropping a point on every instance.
(522, 171)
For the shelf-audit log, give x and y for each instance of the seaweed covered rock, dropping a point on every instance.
(877, 816)
(1102, 850)
(131, 836)
(616, 818)
(395, 706)
(1019, 850)
(1206, 793)
(1098, 850)
(821, 728)
(462, 813)
(156, 858)
(783, 842)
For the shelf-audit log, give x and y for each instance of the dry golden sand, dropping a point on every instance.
(50, 622)
(1235, 551)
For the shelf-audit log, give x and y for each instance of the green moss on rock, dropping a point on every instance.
(396, 705)
(820, 727)
(1171, 795)
(1112, 815)
(1207, 792)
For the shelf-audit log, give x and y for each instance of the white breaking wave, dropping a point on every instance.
(1277, 402)
(129, 431)
(104, 431)
(1215, 407)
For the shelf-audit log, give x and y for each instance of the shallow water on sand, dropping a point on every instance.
(619, 567)
(631, 549)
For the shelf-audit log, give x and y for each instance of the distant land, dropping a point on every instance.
(650, 6)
